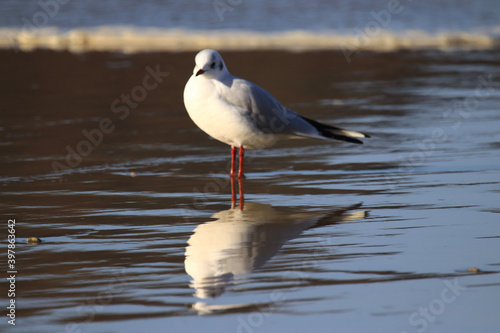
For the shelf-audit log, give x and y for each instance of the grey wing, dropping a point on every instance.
(270, 116)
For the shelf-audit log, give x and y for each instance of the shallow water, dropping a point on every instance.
(258, 15)
(140, 233)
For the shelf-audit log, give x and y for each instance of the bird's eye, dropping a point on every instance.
(212, 65)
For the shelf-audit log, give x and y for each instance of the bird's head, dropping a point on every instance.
(209, 64)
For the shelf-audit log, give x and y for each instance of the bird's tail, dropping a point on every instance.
(337, 133)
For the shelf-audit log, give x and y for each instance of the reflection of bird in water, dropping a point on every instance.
(240, 241)
(233, 193)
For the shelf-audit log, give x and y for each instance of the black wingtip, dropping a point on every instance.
(328, 132)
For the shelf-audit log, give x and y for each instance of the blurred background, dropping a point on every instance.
(179, 25)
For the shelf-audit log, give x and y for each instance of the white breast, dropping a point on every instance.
(220, 117)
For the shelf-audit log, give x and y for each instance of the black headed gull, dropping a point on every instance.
(242, 114)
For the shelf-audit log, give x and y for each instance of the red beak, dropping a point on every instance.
(201, 71)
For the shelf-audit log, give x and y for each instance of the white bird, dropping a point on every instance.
(242, 114)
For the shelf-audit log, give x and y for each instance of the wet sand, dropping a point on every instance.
(101, 161)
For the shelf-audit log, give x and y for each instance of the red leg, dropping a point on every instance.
(233, 193)
(242, 200)
(233, 161)
(240, 171)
